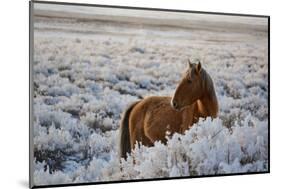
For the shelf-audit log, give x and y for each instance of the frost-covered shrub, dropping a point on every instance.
(207, 148)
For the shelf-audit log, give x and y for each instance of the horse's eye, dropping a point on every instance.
(189, 81)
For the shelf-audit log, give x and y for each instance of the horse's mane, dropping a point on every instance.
(208, 84)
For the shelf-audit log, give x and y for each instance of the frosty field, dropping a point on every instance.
(89, 66)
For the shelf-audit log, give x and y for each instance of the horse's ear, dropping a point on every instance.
(189, 63)
(198, 67)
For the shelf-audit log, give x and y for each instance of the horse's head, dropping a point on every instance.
(190, 87)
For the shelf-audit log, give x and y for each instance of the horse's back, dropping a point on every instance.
(152, 105)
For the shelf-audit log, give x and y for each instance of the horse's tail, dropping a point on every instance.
(125, 145)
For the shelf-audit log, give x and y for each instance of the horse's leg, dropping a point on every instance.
(154, 133)
(138, 137)
(145, 140)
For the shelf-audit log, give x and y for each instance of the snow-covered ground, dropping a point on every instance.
(88, 70)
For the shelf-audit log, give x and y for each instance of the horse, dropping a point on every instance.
(152, 118)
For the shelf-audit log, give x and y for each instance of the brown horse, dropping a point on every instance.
(149, 120)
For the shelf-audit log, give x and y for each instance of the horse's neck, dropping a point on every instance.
(208, 105)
